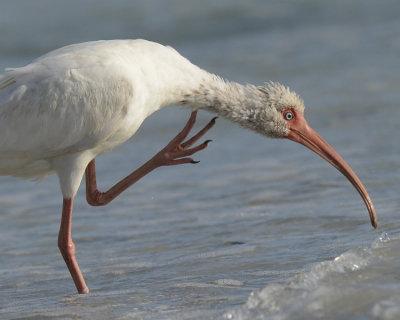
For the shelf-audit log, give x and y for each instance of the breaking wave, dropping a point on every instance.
(360, 283)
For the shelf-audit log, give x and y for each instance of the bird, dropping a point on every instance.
(67, 107)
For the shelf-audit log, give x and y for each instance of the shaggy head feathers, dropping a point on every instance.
(277, 98)
(258, 108)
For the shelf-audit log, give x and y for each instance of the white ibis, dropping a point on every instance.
(60, 112)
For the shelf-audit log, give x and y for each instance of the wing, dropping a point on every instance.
(60, 104)
(85, 97)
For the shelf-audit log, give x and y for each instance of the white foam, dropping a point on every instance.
(343, 286)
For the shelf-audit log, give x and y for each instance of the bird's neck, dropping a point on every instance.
(179, 82)
(238, 103)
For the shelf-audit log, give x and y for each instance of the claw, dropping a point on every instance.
(197, 136)
(177, 151)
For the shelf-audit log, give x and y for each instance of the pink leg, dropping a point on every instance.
(67, 246)
(176, 152)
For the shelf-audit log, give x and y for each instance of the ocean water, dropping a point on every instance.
(260, 228)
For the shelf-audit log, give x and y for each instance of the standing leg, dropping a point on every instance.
(67, 246)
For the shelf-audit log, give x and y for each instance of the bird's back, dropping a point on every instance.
(73, 99)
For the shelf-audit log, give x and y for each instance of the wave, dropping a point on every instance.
(360, 283)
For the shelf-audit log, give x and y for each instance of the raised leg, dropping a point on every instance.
(176, 152)
(67, 247)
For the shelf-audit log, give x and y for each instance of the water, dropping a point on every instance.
(260, 228)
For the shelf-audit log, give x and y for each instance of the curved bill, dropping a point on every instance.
(302, 133)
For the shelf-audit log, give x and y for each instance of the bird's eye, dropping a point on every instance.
(289, 115)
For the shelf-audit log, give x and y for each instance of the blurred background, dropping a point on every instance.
(260, 228)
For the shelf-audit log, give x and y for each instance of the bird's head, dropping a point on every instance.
(283, 117)
(278, 106)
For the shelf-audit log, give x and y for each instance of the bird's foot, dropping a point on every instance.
(178, 151)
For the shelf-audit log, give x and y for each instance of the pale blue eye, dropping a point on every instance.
(289, 115)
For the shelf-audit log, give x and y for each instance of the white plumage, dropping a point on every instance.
(75, 103)
(69, 106)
